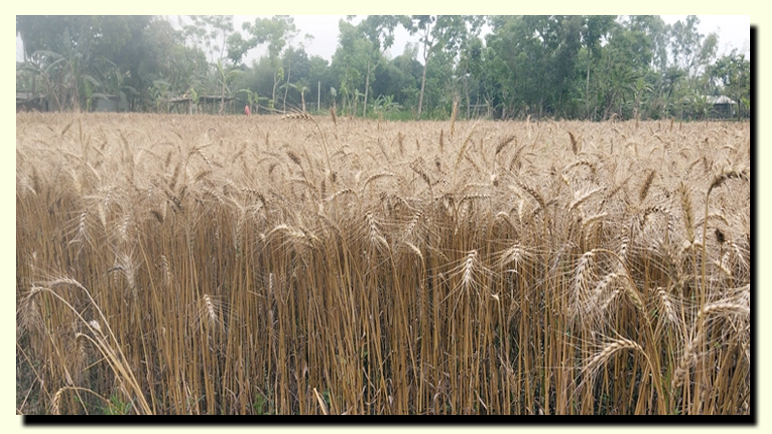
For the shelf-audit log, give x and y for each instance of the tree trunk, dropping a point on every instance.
(222, 98)
(587, 92)
(273, 93)
(423, 84)
(367, 88)
(289, 72)
(423, 76)
(466, 90)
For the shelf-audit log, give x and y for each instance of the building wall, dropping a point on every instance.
(111, 105)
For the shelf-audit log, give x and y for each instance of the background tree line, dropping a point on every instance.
(572, 67)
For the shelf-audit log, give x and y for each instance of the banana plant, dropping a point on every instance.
(89, 84)
(47, 73)
(746, 102)
(700, 106)
(225, 77)
(302, 89)
(357, 96)
(252, 97)
(113, 82)
(63, 76)
(194, 98)
(385, 105)
(160, 92)
(642, 89)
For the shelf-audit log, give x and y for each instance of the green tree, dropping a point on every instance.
(277, 32)
(302, 89)
(225, 76)
(210, 33)
(531, 63)
(151, 55)
(72, 50)
(378, 32)
(100, 35)
(294, 57)
(730, 75)
(691, 50)
(124, 54)
(594, 30)
(657, 96)
(657, 34)
(436, 32)
(320, 78)
(400, 77)
(470, 54)
(348, 62)
(624, 63)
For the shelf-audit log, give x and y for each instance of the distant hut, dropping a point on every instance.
(723, 107)
(28, 101)
(109, 103)
(204, 104)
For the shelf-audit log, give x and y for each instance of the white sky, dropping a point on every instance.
(733, 32)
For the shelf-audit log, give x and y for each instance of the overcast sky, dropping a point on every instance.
(733, 32)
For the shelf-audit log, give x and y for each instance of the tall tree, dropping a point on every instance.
(210, 33)
(348, 62)
(435, 33)
(84, 49)
(657, 34)
(277, 32)
(626, 58)
(470, 52)
(692, 50)
(289, 55)
(533, 62)
(594, 30)
(730, 75)
(379, 32)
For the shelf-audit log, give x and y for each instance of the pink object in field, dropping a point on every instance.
(247, 111)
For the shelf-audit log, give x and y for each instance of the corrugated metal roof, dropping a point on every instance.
(26, 95)
(718, 100)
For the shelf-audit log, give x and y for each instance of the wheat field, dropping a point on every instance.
(318, 265)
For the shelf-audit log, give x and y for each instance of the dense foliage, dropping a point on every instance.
(573, 67)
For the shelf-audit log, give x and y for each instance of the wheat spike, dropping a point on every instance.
(574, 143)
(582, 198)
(686, 206)
(535, 194)
(646, 186)
(504, 142)
(609, 350)
(298, 115)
